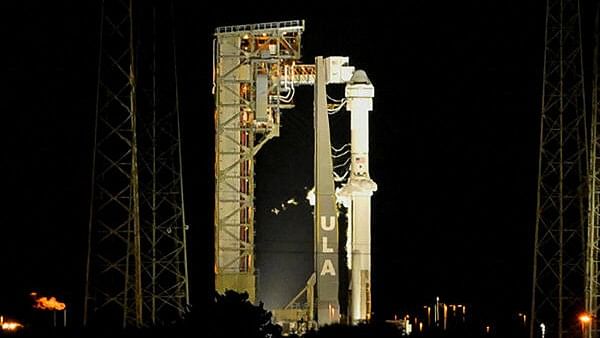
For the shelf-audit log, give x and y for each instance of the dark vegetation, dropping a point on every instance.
(232, 315)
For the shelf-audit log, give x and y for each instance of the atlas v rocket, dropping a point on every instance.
(357, 192)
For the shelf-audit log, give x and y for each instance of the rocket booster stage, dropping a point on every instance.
(359, 189)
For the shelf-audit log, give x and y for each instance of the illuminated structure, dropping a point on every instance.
(255, 75)
(136, 264)
(9, 325)
(558, 283)
(250, 61)
(589, 320)
(359, 189)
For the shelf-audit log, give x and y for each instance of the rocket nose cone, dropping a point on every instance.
(360, 77)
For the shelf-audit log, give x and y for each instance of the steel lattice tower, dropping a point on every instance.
(592, 296)
(558, 265)
(137, 264)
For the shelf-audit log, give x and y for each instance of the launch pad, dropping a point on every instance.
(256, 70)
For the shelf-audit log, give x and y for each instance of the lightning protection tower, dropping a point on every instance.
(558, 283)
(136, 264)
(592, 290)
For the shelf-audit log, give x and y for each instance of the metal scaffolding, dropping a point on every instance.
(137, 263)
(558, 265)
(593, 232)
(249, 65)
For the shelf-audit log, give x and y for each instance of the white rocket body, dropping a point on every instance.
(359, 189)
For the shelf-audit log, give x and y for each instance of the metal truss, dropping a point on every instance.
(558, 283)
(164, 241)
(592, 296)
(249, 66)
(137, 263)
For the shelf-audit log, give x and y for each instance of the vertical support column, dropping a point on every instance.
(248, 64)
(326, 225)
(113, 292)
(561, 218)
(137, 262)
(592, 287)
(234, 236)
(163, 230)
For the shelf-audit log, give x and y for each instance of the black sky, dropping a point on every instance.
(454, 137)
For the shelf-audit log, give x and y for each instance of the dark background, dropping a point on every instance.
(454, 137)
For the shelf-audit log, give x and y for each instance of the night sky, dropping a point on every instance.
(454, 139)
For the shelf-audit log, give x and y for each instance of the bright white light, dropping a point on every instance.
(543, 327)
(11, 326)
(310, 196)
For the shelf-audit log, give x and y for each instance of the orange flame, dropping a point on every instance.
(45, 303)
(585, 318)
(9, 325)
